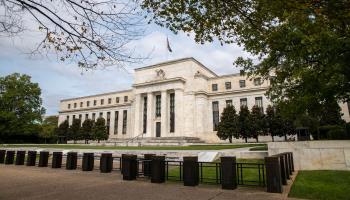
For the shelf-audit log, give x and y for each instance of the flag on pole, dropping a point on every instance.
(168, 45)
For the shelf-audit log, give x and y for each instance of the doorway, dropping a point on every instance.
(157, 129)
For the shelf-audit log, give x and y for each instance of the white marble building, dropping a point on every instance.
(179, 98)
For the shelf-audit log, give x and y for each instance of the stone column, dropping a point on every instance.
(178, 111)
(150, 114)
(137, 114)
(164, 114)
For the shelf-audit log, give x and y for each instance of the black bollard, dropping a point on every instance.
(283, 169)
(88, 162)
(31, 158)
(106, 163)
(287, 165)
(20, 155)
(129, 167)
(56, 160)
(10, 156)
(43, 159)
(228, 173)
(292, 161)
(190, 171)
(146, 164)
(273, 174)
(2, 156)
(157, 166)
(71, 162)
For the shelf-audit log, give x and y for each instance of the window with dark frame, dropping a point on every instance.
(243, 102)
(259, 103)
(228, 85)
(228, 102)
(95, 102)
(93, 116)
(158, 105)
(69, 106)
(80, 116)
(125, 98)
(86, 116)
(81, 104)
(75, 105)
(101, 114)
(87, 103)
(172, 112)
(117, 100)
(257, 81)
(125, 117)
(215, 115)
(109, 100)
(108, 121)
(102, 101)
(214, 87)
(68, 118)
(241, 83)
(144, 114)
(73, 117)
(116, 116)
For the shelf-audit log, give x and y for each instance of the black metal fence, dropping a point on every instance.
(189, 171)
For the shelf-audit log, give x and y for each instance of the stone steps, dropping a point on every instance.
(156, 141)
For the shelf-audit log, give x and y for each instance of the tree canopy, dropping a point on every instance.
(86, 130)
(20, 106)
(302, 46)
(100, 130)
(228, 125)
(90, 33)
(48, 127)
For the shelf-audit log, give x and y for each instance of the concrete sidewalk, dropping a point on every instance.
(22, 182)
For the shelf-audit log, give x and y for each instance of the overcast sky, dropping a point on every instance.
(59, 80)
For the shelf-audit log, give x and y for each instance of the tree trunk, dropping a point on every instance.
(246, 140)
(230, 139)
(273, 139)
(285, 137)
(257, 139)
(98, 141)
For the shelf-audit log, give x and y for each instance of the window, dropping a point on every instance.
(93, 116)
(117, 100)
(214, 87)
(80, 117)
(108, 121)
(241, 83)
(68, 118)
(109, 100)
(158, 106)
(75, 105)
(69, 106)
(101, 114)
(87, 103)
(125, 98)
(215, 115)
(348, 106)
(125, 117)
(144, 115)
(228, 102)
(116, 116)
(73, 117)
(102, 101)
(259, 103)
(86, 116)
(228, 85)
(95, 102)
(172, 112)
(257, 81)
(81, 104)
(244, 102)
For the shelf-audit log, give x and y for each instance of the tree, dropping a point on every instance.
(302, 46)
(86, 130)
(20, 107)
(270, 122)
(244, 123)
(48, 128)
(228, 125)
(331, 114)
(62, 132)
(257, 122)
(90, 33)
(74, 130)
(100, 130)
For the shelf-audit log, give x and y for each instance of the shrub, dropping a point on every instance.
(333, 132)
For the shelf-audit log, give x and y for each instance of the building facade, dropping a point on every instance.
(179, 98)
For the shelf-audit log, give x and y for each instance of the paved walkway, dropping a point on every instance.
(21, 182)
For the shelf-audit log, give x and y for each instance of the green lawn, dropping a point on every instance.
(192, 147)
(322, 185)
(259, 148)
(249, 172)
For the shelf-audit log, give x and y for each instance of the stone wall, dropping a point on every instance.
(316, 155)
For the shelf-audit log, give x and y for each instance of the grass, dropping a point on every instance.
(191, 147)
(249, 172)
(322, 185)
(259, 148)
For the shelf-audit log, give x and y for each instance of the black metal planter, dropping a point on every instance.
(71, 162)
(20, 157)
(31, 158)
(88, 162)
(273, 174)
(10, 156)
(146, 164)
(190, 171)
(2, 156)
(228, 173)
(158, 169)
(106, 163)
(56, 159)
(43, 159)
